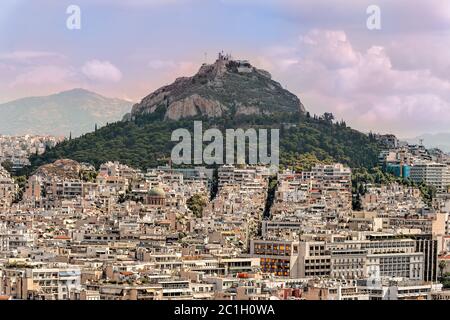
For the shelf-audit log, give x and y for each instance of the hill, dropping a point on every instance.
(75, 111)
(226, 87)
(145, 141)
(227, 94)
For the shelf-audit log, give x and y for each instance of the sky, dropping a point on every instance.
(395, 79)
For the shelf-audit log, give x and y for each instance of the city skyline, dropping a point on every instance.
(220, 157)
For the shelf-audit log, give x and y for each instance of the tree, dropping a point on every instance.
(328, 117)
(21, 181)
(214, 184)
(356, 202)
(7, 165)
(273, 182)
(442, 265)
(196, 204)
(122, 198)
(305, 161)
(88, 176)
(145, 141)
(428, 193)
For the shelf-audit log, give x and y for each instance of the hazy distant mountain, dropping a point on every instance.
(437, 140)
(75, 111)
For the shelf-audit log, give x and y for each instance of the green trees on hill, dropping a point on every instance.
(21, 182)
(428, 193)
(303, 161)
(146, 141)
(7, 165)
(329, 141)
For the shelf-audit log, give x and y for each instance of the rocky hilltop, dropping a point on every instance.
(227, 86)
(66, 168)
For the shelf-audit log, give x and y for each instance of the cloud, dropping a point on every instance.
(27, 73)
(101, 71)
(337, 53)
(424, 51)
(363, 87)
(30, 57)
(45, 74)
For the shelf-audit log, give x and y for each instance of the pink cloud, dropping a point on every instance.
(363, 87)
(101, 71)
(46, 74)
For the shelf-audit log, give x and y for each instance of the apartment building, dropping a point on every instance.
(128, 292)
(349, 259)
(314, 259)
(33, 190)
(33, 282)
(377, 258)
(333, 290)
(434, 224)
(335, 175)
(348, 263)
(276, 256)
(176, 289)
(20, 237)
(400, 289)
(431, 173)
(7, 189)
(424, 243)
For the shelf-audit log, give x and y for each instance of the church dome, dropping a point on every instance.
(156, 192)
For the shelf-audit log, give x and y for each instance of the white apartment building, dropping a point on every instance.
(431, 173)
(7, 189)
(377, 258)
(18, 238)
(351, 259)
(40, 283)
(400, 289)
(333, 175)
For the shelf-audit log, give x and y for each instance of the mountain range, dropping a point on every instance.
(227, 94)
(73, 112)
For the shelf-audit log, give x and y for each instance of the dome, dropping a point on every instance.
(156, 192)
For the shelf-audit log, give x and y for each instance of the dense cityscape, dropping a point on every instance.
(234, 233)
(224, 158)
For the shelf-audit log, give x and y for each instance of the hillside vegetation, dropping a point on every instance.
(146, 141)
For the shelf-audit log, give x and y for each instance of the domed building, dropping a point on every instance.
(156, 197)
